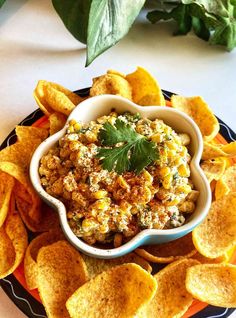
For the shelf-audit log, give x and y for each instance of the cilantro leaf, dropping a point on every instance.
(110, 134)
(117, 156)
(134, 154)
(140, 161)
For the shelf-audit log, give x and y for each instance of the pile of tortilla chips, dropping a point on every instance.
(71, 284)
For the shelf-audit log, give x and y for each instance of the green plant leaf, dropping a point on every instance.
(225, 34)
(200, 28)
(109, 21)
(75, 16)
(2, 2)
(213, 21)
(180, 14)
(157, 15)
(218, 7)
(134, 154)
(183, 19)
(220, 17)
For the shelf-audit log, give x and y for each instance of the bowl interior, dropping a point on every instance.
(98, 106)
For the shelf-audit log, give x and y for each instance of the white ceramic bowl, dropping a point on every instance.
(95, 107)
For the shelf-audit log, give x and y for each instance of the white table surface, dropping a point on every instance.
(34, 44)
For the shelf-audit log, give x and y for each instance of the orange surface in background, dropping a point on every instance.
(196, 305)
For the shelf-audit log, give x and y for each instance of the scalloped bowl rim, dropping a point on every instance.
(95, 107)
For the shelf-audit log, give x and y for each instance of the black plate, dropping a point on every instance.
(23, 299)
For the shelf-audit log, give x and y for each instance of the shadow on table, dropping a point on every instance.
(32, 49)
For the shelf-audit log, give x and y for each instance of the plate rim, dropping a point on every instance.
(28, 304)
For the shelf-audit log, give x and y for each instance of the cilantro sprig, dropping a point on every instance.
(128, 150)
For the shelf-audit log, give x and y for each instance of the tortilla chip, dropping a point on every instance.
(57, 122)
(28, 132)
(7, 253)
(200, 112)
(214, 284)
(17, 234)
(48, 217)
(37, 216)
(39, 96)
(227, 183)
(151, 100)
(51, 97)
(20, 153)
(144, 84)
(58, 101)
(171, 298)
(111, 83)
(30, 260)
(205, 260)
(28, 139)
(217, 233)
(61, 270)
(6, 187)
(168, 252)
(111, 71)
(118, 292)
(18, 173)
(212, 150)
(96, 266)
(214, 168)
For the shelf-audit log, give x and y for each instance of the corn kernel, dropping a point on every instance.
(187, 207)
(183, 189)
(100, 194)
(134, 210)
(147, 176)
(87, 225)
(183, 170)
(122, 182)
(157, 138)
(104, 228)
(70, 215)
(77, 126)
(101, 204)
(117, 240)
(74, 145)
(71, 129)
(185, 139)
(167, 181)
(125, 205)
(183, 152)
(178, 161)
(171, 145)
(90, 136)
(171, 153)
(193, 195)
(147, 194)
(173, 202)
(73, 156)
(87, 238)
(72, 122)
(164, 171)
(167, 130)
(112, 120)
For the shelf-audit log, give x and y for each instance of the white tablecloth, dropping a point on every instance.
(34, 44)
